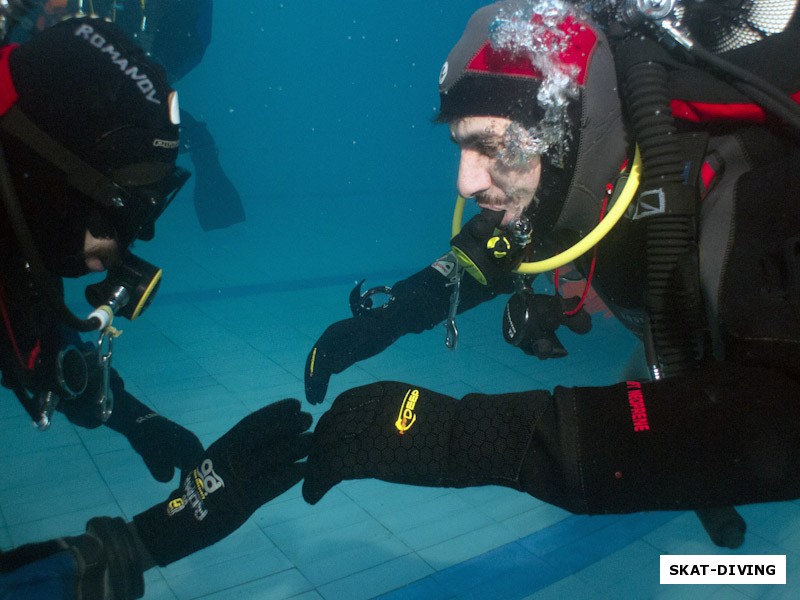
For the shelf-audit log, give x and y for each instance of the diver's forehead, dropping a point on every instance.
(468, 129)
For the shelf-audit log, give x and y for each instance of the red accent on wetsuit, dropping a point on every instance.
(8, 93)
(707, 176)
(703, 112)
(34, 354)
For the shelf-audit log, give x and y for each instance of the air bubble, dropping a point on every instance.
(530, 29)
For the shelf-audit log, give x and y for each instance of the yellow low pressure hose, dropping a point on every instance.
(589, 240)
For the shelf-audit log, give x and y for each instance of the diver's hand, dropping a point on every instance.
(530, 322)
(485, 253)
(317, 372)
(369, 418)
(339, 347)
(408, 434)
(254, 462)
(163, 444)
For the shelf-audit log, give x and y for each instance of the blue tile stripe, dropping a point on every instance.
(245, 290)
(521, 568)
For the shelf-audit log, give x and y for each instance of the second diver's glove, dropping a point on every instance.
(254, 462)
(530, 322)
(485, 252)
(163, 444)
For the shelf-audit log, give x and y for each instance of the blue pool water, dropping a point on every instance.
(321, 111)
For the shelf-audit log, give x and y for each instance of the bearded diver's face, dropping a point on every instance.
(482, 174)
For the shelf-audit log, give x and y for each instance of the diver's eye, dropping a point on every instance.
(490, 148)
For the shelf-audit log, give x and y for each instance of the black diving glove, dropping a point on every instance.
(416, 304)
(406, 434)
(340, 346)
(486, 253)
(530, 322)
(628, 447)
(250, 465)
(163, 444)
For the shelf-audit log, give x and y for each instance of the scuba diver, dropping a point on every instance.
(668, 175)
(89, 134)
(176, 33)
(86, 176)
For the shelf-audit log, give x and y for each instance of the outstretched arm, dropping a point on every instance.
(254, 462)
(724, 435)
(420, 302)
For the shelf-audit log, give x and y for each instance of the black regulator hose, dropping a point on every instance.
(671, 299)
(38, 271)
(648, 104)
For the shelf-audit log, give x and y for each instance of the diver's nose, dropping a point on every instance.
(473, 173)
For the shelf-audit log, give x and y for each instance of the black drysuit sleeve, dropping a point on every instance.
(422, 301)
(721, 436)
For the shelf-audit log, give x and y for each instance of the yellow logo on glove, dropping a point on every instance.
(313, 360)
(175, 505)
(407, 417)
